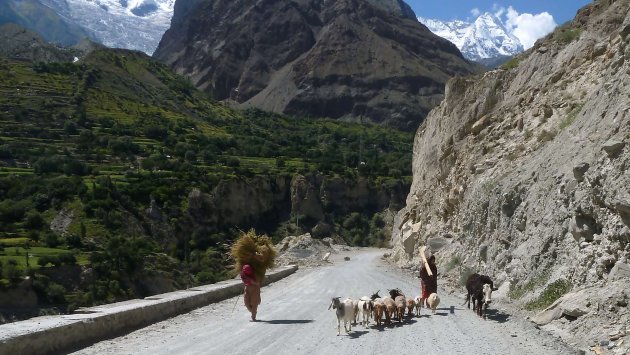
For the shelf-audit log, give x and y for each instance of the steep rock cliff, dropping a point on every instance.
(265, 202)
(349, 59)
(522, 173)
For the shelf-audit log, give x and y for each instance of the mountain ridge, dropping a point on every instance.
(346, 59)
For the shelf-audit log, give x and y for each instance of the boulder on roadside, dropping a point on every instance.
(620, 271)
(579, 171)
(613, 147)
(585, 302)
(304, 250)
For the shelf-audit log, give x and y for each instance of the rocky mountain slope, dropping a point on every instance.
(37, 17)
(18, 42)
(356, 60)
(522, 174)
(483, 39)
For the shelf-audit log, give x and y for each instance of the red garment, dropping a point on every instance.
(247, 275)
(429, 283)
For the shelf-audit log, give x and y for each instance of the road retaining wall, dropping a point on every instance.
(55, 334)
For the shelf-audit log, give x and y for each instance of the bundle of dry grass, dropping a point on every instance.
(255, 250)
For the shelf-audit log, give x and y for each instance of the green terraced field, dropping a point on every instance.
(92, 144)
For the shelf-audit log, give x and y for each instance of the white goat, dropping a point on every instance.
(433, 301)
(344, 311)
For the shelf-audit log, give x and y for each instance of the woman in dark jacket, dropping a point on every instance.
(429, 283)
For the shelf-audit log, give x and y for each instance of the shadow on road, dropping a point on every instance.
(497, 316)
(452, 308)
(356, 334)
(286, 321)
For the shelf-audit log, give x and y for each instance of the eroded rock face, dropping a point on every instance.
(62, 221)
(539, 156)
(359, 60)
(263, 202)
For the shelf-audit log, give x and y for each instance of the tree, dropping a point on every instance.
(190, 156)
(51, 239)
(70, 127)
(34, 220)
(74, 241)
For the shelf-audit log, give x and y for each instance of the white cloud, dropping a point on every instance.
(475, 12)
(498, 11)
(527, 27)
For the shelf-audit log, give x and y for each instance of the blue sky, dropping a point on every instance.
(561, 10)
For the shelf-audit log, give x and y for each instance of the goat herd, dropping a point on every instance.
(394, 306)
(376, 307)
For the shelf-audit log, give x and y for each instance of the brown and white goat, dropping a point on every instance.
(401, 303)
(390, 309)
(366, 306)
(411, 304)
(378, 307)
(418, 301)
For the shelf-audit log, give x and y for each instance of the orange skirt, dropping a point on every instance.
(252, 295)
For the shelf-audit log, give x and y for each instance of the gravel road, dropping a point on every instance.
(294, 319)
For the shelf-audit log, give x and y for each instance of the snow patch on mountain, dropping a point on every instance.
(486, 37)
(132, 24)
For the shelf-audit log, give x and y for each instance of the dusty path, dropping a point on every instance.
(294, 320)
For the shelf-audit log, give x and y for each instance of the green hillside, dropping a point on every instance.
(86, 148)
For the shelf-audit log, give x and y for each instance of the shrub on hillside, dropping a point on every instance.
(12, 272)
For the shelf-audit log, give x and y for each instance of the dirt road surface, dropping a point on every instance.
(294, 319)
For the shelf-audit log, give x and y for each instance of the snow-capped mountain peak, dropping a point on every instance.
(486, 37)
(135, 24)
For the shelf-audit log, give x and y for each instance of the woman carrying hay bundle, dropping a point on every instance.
(253, 254)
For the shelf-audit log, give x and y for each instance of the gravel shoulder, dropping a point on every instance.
(294, 319)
